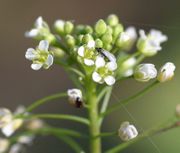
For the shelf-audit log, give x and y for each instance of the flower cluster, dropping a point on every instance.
(101, 50)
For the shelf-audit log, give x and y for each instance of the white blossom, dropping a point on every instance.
(127, 38)
(26, 139)
(150, 44)
(34, 124)
(40, 56)
(4, 145)
(104, 71)
(166, 72)
(145, 72)
(17, 148)
(87, 53)
(40, 30)
(127, 132)
(5, 116)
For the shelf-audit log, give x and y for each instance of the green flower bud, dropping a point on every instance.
(100, 27)
(88, 29)
(112, 20)
(109, 30)
(70, 40)
(117, 30)
(107, 38)
(107, 47)
(59, 26)
(86, 38)
(99, 43)
(80, 38)
(51, 38)
(79, 29)
(68, 27)
(57, 52)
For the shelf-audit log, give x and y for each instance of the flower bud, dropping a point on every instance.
(108, 46)
(75, 97)
(99, 43)
(34, 124)
(86, 38)
(107, 38)
(145, 72)
(166, 72)
(57, 52)
(5, 116)
(88, 29)
(100, 27)
(70, 40)
(59, 26)
(127, 132)
(68, 27)
(112, 20)
(117, 30)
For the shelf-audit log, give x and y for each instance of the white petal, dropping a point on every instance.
(88, 62)
(49, 60)
(43, 45)
(110, 56)
(96, 77)
(110, 80)
(131, 32)
(36, 66)
(32, 33)
(81, 51)
(142, 34)
(100, 62)
(39, 22)
(30, 54)
(111, 66)
(91, 44)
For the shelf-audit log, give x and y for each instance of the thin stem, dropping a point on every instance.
(105, 104)
(157, 130)
(61, 116)
(126, 101)
(101, 94)
(45, 100)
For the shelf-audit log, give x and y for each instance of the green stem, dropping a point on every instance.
(126, 101)
(157, 130)
(94, 128)
(61, 116)
(105, 104)
(45, 100)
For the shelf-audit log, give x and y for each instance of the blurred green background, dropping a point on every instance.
(21, 85)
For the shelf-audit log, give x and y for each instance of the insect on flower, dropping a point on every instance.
(106, 54)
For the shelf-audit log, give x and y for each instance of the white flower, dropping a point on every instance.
(145, 72)
(11, 127)
(127, 67)
(166, 72)
(5, 116)
(4, 145)
(127, 131)
(150, 44)
(8, 123)
(35, 124)
(75, 97)
(88, 53)
(127, 38)
(40, 30)
(104, 71)
(26, 139)
(40, 56)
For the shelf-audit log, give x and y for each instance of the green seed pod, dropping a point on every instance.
(86, 38)
(117, 30)
(68, 27)
(70, 40)
(100, 27)
(99, 43)
(112, 20)
(107, 38)
(88, 29)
